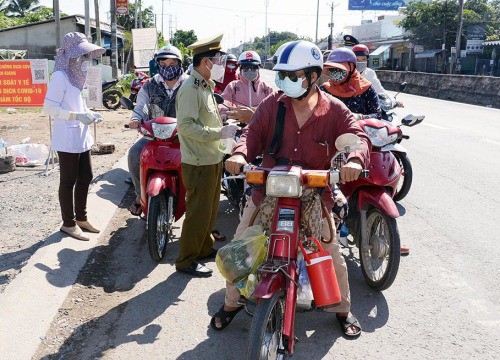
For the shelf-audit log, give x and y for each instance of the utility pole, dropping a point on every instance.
(87, 21)
(443, 47)
(330, 25)
(57, 17)
(317, 19)
(97, 23)
(136, 12)
(114, 53)
(459, 35)
(265, 32)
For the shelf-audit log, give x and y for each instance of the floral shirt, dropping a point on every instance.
(365, 103)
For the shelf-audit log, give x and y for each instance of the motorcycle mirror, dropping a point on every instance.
(347, 142)
(126, 103)
(219, 99)
(412, 120)
(403, 86)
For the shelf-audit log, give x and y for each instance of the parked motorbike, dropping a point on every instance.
(111, 94)
(135, 85)
(388, 104)
(272, 331)
(162, 191)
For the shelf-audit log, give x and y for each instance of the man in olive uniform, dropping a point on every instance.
(200, 131)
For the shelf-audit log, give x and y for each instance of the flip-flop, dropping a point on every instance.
(225, 318)
(135, 209)
(346, 322)
(217, 235)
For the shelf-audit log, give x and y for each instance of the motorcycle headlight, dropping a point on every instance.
(380, 137)
(283, 184)
(163, 131)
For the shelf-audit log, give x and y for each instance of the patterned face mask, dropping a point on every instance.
(170, 72)
(337, 75)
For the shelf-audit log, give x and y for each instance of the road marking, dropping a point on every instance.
(434, 126)
(491, 141)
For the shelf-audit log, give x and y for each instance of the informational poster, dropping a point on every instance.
(144, 45)
(376, 4)
(23, 84)
(121, 7)
(93, 87)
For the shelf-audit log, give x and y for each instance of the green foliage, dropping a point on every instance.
(426, 21)
(20, 8)
(128, 21)
(182, 38)
(42, 14)
(8, 22)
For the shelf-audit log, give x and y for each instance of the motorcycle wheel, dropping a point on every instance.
(380, 256)
(159, 224)
(111, 99)
(406, 178)
(266, 334)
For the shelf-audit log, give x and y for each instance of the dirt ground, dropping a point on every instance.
(29, 205)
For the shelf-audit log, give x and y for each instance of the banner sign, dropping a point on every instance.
(144, 45)
(375, 4)
(23, 83)
(93, 85)
(121, 7)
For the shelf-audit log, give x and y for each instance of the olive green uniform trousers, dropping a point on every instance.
(203, 184)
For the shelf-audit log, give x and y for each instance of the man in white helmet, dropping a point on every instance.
(313, 120)
(156, 98)
(246, 93)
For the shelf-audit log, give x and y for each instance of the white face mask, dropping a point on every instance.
(85, 65)
(290, 88)
(217, 72)
(361, 66)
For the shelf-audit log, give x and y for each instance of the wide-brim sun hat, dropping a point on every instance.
(73, 45)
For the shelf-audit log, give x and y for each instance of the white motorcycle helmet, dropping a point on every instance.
(168, 52)
(248, 58)
(297, 55)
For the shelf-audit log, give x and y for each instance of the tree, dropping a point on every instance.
(128, 21)
(182, 38)
(20, 8)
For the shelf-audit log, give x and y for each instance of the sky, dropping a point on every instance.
(240, 21)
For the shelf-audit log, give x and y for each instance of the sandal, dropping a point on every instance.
(225, 318)
(135, 209)
(346, 322)
(217, 235)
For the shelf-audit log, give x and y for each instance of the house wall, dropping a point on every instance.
(477, 90)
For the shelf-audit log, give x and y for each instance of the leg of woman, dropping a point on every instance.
(68, 165)
(84, 178)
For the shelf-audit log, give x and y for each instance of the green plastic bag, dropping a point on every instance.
(241, 257)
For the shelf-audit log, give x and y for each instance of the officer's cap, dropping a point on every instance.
(350, 40)
(207, 44)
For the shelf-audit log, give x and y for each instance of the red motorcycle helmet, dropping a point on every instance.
(140, 75)
(361, 50)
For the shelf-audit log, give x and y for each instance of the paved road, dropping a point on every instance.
(443, 304)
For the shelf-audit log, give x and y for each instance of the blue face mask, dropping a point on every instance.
(170, 72)
(290, 88)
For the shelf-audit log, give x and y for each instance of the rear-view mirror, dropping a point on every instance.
(348, 142)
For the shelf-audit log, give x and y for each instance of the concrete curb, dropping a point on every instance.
(33, 298)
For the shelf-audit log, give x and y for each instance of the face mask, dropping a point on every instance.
(361, 66)
(337, 75)
(250, 74)
(85, 66)
(217, 72)
(290, 88)
(232, 67)
(170, 72)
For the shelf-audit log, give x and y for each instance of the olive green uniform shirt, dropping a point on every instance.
(198, 121)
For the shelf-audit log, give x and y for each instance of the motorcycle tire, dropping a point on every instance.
(266, 332)
(380, 257)
(407, 176)
(111, 99)
(159, 224)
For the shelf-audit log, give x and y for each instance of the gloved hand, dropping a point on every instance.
(85, 118)
(97, 117)
(228, 131)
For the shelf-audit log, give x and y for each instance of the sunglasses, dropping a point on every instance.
(291, 75)
(249, 67)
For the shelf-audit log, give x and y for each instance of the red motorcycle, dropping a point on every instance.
(272, 331)
(372, 209)
(162, 191)
(137, 84)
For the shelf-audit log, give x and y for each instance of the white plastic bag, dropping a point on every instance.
(29, 154)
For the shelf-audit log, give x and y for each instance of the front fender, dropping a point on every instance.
(159, 181)
(395, 148)
(379, 198)
(269, 284)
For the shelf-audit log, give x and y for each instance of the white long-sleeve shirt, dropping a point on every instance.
(371, 76)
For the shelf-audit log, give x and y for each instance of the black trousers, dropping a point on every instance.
(75, 178)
